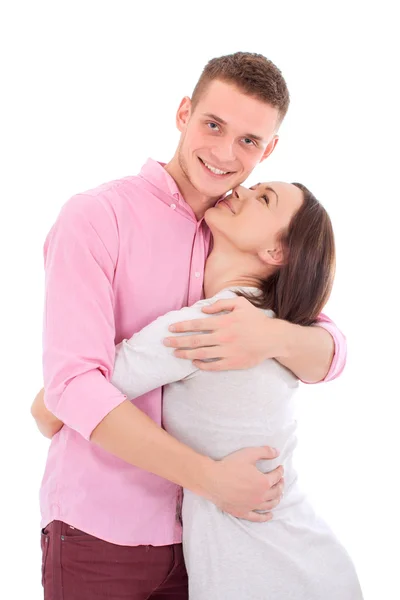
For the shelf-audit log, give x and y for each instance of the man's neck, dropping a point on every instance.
(197, 202)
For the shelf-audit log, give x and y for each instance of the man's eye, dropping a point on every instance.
(213, 126)
(248, 142)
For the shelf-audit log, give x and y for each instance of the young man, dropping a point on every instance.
(117, 258)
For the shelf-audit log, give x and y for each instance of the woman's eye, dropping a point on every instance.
(265, 197)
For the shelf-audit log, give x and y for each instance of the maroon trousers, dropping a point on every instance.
(78, 566)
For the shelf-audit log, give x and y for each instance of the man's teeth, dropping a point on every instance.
(214, 170)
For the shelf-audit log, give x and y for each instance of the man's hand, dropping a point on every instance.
(47, 423)
(233, 483)
(239, 340)
(245, 337)
(239, 488)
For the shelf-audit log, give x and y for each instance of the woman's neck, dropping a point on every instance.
(227, 268)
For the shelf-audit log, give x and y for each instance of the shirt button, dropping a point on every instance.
(173, 206)
(197, 274)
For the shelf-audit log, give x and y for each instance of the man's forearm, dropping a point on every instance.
(49, 428)
(131, 435)
(46, 422)
(306, 351)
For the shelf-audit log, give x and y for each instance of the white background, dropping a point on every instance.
(89, 91)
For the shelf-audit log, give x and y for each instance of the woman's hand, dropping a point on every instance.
(47, 423)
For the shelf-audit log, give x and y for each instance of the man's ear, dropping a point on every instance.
(274, 257)
(270, 148)
(183, 114)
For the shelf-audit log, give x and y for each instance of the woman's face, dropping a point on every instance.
(251, 219)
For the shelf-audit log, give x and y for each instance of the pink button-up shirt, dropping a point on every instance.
(117, 258)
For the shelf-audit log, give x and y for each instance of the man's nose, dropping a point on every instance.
(224, 151)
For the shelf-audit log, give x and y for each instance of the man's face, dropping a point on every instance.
(224, 137)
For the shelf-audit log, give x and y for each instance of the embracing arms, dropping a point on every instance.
(79, 352)
(246, 336)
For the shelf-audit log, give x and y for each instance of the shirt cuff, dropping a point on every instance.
(84, 403)
(340, 353)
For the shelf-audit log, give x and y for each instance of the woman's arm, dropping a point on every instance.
(143, 363)
(47, 423)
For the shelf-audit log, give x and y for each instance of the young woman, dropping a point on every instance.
(273, 244)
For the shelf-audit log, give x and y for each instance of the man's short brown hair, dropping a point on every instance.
(252, 74)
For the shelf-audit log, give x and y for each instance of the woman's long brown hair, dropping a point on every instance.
(300, 288)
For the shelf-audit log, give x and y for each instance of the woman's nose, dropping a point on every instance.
(239, 192)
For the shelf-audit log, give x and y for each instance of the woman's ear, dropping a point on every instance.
(183, 113)
(274, 257)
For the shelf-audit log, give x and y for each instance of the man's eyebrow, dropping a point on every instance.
(253, 136)
(213, 117)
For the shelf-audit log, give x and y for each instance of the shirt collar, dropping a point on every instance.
(154, 172)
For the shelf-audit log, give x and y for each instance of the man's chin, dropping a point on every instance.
(215, 190)
(213, 194)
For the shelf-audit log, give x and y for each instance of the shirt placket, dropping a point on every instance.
(196, 274)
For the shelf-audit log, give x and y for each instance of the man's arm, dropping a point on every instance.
(307, 351)
(246, 336)
(316, 353)
(80, 257)
(79, 328)
(47, 423)
(181, 465)
(230, 483)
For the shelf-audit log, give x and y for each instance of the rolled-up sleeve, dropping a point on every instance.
(79, 325)
(340, 353)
